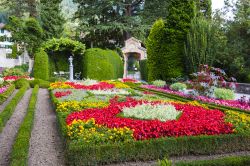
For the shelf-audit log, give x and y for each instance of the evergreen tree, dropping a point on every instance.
(204, 8)
(51, 19)
(200, 47)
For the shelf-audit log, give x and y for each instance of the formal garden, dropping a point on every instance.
(130, 86)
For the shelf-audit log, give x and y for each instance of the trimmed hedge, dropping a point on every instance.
(10, 108)
(102, 64)
(6, 94)
(80, 154)
(227, 161)
(40, 83)
(21, 83)
(41, 65)
(144, 70)
(20, 149)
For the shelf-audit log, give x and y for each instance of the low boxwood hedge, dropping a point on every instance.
(10, 108)
(7, 93)
(20, 149)
(78, 153)
(226, 161)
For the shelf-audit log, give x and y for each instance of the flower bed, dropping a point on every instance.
(14, 78)
(228, 103)
(98, 131)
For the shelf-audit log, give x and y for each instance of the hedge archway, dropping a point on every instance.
(59, 50)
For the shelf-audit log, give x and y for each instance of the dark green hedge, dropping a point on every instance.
(10, 108)
(41, 65)
(7, 93)
(144, 70)
(20, 149)
(227, 161)
(102, 64)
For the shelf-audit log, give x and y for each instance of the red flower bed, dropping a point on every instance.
(129, 80)
(14, 78)
(61, 94)
(99, 86)
(194, 120)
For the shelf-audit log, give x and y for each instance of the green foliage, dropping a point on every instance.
(199, 46)
(52, 20)
(59, 50)
(14, 51)
(178, 86)
(41, 65)
(6, 94)
(40, 83)
(16, 71)
(159, 83)
(21, 83)
(24, 68)
(165, 42)
(226, 161)
(10, 108)
(164, 162)
(144, 70)
(225, 94)
(102, 64)
(20, 150)
(204, 8)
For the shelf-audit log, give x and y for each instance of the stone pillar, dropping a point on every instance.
(125, 73)
(71, 69)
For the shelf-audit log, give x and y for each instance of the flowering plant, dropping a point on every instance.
(90, 132)
(72, 85)
(73, 106)
(110, 92)
(3, 89)
(162, 112)
(195, 120)
(159, 83)
(208, 78)
(129, 80)
(62, 94)
(178, 86)
(14, 78)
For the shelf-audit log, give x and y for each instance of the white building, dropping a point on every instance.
(5, 41)
(6, 44)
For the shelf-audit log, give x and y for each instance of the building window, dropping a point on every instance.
(2, 30)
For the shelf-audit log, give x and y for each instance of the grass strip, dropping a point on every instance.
(10, 108)
(20, 149)
(226, 161)
(7, 93)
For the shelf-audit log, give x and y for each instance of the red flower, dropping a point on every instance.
(99, 86)
(194, 120)
(61, 94)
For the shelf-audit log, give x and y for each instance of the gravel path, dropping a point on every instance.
(45, 144)
(7, 101)
(185, 158)
(7, 137)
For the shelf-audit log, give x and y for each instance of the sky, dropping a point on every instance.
(217, 4)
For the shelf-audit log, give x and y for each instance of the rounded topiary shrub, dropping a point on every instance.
(225, 94)
(21, 83)
(41, 65)
(102, 64)
(178, 86)
(41, 83)
(159, 83)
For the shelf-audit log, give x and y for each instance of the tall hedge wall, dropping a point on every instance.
(144, 70)
(102, 64)
(41, 65)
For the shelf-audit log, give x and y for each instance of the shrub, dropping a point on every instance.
(178, 86)
(41, 65)
(144, 70)
(102, 64)
(159, 83)
(14, 51)
(40, 83)
(13, 72)
(21, 83)
(225, 94)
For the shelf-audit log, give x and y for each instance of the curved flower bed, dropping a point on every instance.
(72, 85)
(195, 120)
(229, 103)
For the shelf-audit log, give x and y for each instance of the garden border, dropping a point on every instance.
(180, 98)
(80, 154)
(7, 93)
(20, 149)
(10, 108)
